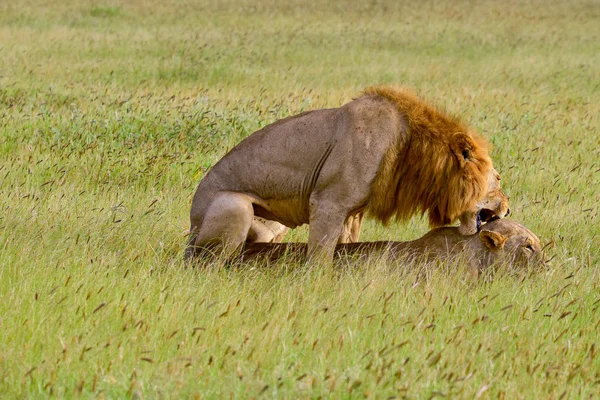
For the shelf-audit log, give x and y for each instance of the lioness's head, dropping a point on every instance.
(511, 243)
(494, 205)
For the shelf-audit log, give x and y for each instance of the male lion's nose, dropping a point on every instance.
(507, 212)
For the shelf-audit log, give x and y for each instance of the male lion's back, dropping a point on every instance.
(282, 164)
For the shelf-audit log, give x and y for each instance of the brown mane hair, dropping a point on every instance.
(439, 165)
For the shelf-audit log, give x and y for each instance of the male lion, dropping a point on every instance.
(387, 153)
(499, 241)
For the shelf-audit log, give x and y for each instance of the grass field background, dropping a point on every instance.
(112, 111)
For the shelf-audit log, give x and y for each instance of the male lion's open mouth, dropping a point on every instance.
(485, 215)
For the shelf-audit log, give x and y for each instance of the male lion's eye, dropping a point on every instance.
(465, 154)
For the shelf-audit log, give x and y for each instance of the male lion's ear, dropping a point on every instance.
(462, 146)
(492, 240)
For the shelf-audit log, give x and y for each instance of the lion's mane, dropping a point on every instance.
(421, 172)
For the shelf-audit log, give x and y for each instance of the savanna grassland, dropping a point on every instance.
(112, 111)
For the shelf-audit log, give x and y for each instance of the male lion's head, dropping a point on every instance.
(470, 185)
(439, 166)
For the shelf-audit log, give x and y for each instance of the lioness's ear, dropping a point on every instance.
(492, 240)
(462, 147)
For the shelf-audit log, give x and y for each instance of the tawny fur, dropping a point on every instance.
(387, 153)
(418, 174)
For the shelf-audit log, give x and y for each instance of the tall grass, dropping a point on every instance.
(110, 114)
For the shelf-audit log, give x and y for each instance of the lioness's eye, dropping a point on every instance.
(529, 247)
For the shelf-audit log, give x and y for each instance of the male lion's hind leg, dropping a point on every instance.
(224, 226)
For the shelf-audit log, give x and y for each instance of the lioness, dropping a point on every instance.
(387, 153)
(499, 241)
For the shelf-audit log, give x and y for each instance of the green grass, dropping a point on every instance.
(111, 112)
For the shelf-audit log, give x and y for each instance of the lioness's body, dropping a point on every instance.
(499, 241)
(386, 152)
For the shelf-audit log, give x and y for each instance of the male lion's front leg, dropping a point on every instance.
(325, 228)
